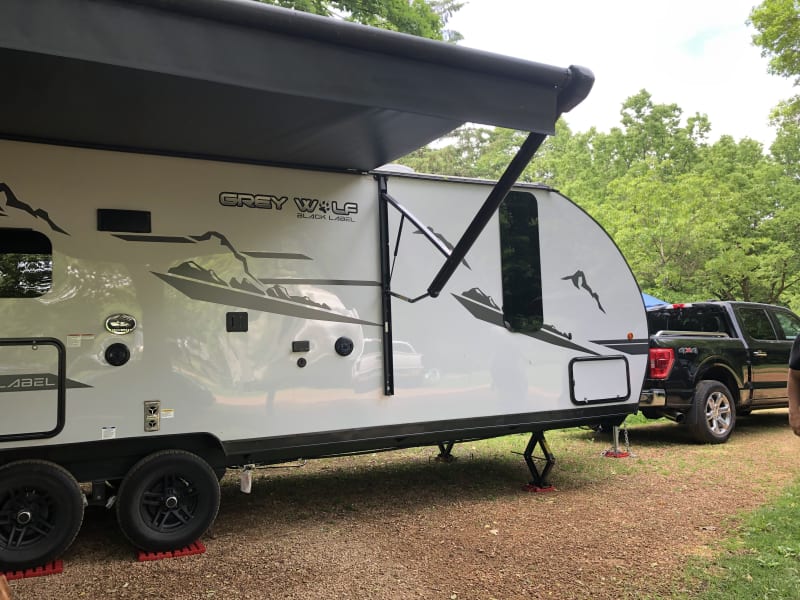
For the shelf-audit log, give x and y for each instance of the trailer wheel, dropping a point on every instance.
(41, 512)
(713, 413)
(167, 500)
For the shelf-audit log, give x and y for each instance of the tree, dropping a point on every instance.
(778, 26)
(694, 220)
(416, 17)
(786, 147)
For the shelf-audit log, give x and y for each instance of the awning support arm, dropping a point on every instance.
(424, 230)
(490, 206)
(397, 246)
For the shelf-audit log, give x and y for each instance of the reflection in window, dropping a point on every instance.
(789, 323)
(26, 263)
(522, 273)
(756, 324)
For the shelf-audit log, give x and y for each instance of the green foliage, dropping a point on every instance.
(786, 147)
(695, 220)
(25, 275)
(778, 25)
(415, 17)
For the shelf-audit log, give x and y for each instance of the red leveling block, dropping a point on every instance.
(51, 568)
(616, 454)
(194, 548)
(614, 451)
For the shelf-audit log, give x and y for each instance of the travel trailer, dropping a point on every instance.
(203, 265)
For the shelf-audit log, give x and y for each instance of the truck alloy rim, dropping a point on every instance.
(718, 413)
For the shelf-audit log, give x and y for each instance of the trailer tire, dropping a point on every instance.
(713, 412)
(167, 500)
(41, 512)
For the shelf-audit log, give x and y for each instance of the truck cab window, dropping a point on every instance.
(521, 263)
(26, 263)
(756, 323)
(789, 323)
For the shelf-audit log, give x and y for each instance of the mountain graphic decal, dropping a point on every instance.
(484, 308)
(578, 279)
(445, 241)
(37, 213)
(239, 286)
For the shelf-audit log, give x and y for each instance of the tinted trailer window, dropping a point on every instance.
(522, 272)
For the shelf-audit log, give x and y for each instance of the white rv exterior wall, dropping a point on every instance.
(490, 370)
(240, 386)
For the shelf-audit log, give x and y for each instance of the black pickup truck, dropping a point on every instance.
(712, 361)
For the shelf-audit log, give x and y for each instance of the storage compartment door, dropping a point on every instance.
(601, 379)
(32, 388)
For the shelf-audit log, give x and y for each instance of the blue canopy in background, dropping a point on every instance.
(652, 300)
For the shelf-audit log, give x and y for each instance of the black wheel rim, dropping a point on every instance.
(169, 503)
(27, 516)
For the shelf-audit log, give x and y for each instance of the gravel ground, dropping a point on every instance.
(344, 529)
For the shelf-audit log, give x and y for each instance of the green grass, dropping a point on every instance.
(761, 563)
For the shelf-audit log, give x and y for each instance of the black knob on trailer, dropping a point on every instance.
(343, 346)
(117, 355)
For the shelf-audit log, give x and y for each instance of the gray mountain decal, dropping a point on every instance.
(195, 271)
(241, 288)
(446, 242)
(225, 243)
(481, 306)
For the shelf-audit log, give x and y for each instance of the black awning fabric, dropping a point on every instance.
(240, 80)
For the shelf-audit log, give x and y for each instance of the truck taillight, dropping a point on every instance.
(661, 361)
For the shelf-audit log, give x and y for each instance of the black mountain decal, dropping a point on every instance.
(37, 213)
(578, 279)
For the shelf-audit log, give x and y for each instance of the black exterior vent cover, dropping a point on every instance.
(130, 221)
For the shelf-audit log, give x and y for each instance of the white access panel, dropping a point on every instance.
(600, 379)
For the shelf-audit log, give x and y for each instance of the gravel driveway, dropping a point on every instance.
(401, 525)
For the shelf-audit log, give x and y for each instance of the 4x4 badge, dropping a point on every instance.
(120, 324)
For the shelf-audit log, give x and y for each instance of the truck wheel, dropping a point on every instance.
(41, 512)
(714, 415)
(167, 500)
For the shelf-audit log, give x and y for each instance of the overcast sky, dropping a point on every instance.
(694, 53)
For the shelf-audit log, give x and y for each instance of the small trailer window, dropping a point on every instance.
(26, 263)
(522, 273)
